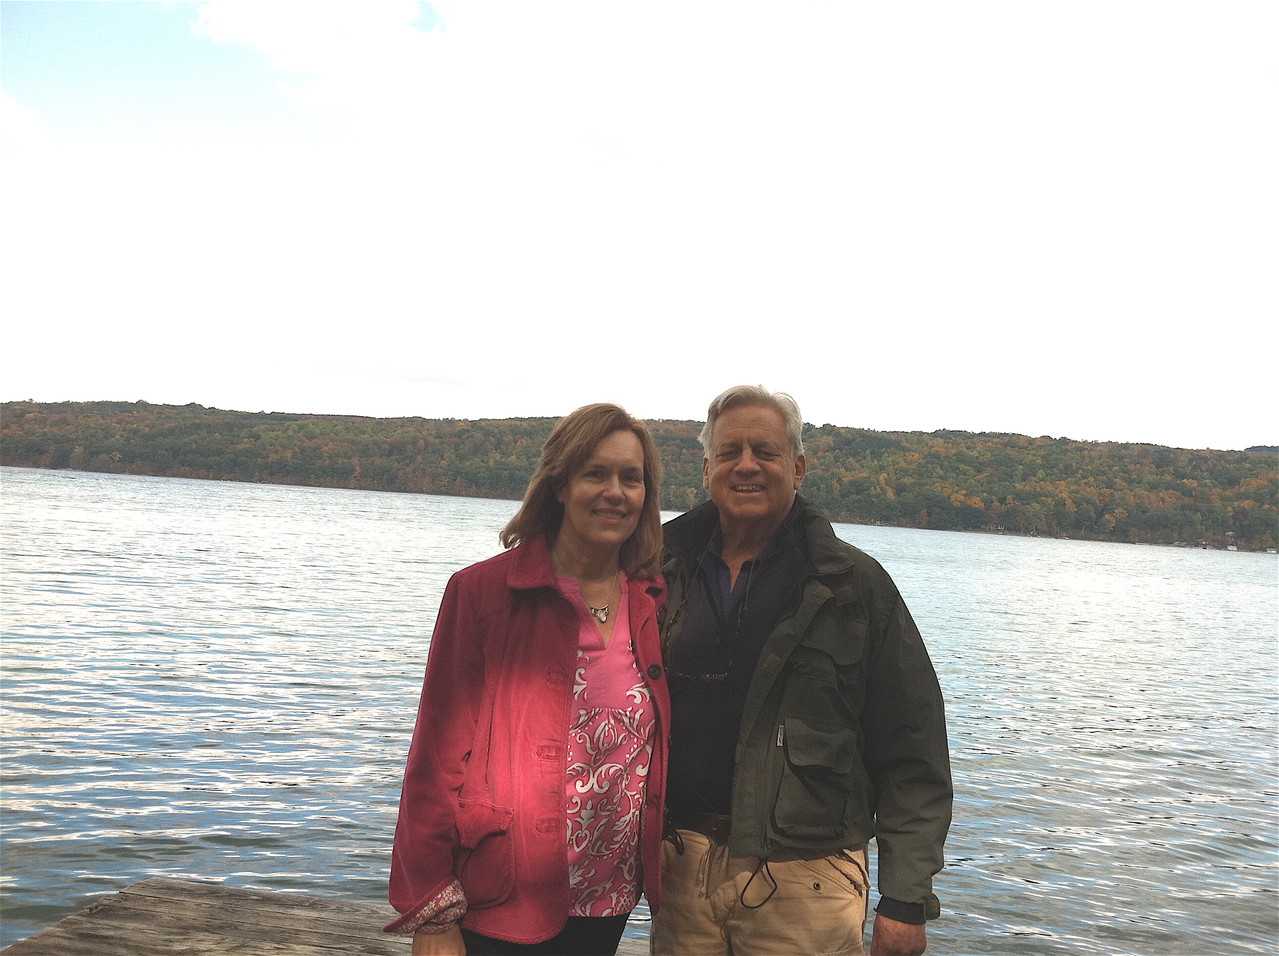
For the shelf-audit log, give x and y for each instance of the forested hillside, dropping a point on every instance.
(940, 480)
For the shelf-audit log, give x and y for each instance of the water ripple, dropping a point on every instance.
(208, 680)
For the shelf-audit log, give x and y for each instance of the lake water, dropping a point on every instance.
(217, 681)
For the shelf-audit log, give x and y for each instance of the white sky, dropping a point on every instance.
(1033, 217)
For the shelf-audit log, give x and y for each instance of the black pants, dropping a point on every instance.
(583, 936)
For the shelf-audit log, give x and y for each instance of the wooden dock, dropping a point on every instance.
(163, 917)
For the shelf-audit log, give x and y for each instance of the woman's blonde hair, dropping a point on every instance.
(570, 444)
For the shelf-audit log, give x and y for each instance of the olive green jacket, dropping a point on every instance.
(843, 736)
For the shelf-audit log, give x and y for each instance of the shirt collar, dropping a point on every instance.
(789, 534)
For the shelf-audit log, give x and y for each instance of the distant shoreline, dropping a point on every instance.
(997, 532)
(941, 481)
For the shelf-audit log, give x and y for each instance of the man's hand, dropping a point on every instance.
(891, 938)
(448, 943)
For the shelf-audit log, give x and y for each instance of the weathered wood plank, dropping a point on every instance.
(159, 917)
(231, 923)
(195, 890)
(164, 917)
(330, 916)
(633, 947)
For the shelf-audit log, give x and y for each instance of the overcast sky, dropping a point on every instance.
(1032, 217)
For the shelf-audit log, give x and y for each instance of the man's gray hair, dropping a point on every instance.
(740, 395)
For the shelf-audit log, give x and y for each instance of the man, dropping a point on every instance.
(806, 716)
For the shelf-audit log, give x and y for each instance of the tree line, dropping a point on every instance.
(945, 480)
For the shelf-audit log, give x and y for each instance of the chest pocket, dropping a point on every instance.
(826, 669)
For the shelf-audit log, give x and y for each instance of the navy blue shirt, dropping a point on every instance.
(713, 660)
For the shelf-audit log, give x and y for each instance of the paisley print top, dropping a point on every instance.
(611, 730)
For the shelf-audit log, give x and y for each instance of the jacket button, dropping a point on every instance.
(655, 671)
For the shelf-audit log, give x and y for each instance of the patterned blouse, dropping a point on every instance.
(611, 731)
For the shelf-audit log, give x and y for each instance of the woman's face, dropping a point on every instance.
(603, 499)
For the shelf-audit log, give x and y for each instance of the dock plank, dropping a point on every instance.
(269, 908)
(160, 917)
(166, 917)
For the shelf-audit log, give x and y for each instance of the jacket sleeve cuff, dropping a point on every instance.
(913, 913)
(435, 915)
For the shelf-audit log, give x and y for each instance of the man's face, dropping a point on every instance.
(751, 472)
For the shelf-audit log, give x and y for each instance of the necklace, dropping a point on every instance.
(601, 613)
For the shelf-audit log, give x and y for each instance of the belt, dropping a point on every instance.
(715, 826)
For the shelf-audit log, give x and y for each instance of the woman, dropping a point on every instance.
(531, 815)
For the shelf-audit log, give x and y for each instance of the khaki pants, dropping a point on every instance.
(716, 904)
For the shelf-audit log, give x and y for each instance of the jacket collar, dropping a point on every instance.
(826, 551)
(531, 569)
(531, 566)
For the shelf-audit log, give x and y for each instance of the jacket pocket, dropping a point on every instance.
(485, 863)
(813, 796)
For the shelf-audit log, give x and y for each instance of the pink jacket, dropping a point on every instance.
(497, 695)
